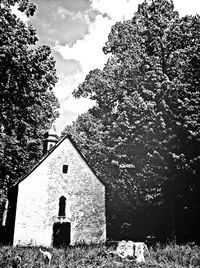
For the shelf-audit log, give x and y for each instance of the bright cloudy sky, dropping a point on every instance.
(77, 30)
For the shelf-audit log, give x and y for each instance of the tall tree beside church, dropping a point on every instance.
(28, 105)
(148, 102)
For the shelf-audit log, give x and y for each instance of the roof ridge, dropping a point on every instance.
(49, 152)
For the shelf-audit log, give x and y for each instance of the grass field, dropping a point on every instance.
(98, 256)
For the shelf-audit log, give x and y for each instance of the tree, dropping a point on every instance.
(28, 104)
(147, 100)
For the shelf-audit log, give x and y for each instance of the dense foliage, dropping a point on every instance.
(143, 135)
(27, 103)
(100, 256)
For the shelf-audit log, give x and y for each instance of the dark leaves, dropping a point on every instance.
(28, 104)
(147, 108)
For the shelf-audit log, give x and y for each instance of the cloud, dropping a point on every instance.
(63, 12)
(68, 104)
(191, 7)
(70, 109)
(90, 47)
(116, 10)
(85, 16)
(59, 21)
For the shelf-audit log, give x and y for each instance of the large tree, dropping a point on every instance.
(28, 105)
(148, 101)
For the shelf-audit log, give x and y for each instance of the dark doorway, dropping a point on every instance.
(61, 234)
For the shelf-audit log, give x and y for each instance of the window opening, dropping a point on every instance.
(62, 204)
(65, 168)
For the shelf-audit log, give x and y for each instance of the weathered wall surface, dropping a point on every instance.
(38, 200)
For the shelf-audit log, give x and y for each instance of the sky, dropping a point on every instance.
(77, 30)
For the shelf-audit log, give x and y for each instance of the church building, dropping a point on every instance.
(60, 202)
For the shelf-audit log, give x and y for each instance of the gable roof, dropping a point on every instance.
(51, 151)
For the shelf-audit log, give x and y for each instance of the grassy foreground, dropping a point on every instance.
(98, 256)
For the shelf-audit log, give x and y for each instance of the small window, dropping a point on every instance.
(65, 168)
(62, 203)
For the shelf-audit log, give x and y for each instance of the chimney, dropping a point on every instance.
(50, 140)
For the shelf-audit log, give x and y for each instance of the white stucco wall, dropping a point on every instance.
(38, 200)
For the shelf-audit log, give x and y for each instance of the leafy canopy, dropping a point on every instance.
(28, 104)
(147, 108)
